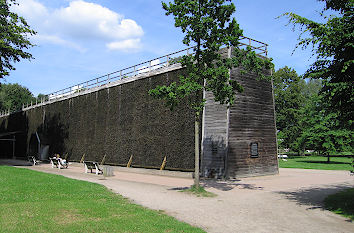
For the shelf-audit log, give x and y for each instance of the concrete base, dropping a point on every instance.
(147, 171)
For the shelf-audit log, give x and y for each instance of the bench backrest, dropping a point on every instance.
(89, 164)
(54, 160)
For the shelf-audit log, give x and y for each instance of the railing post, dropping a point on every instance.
(120, 75)
(167, 60)
(108, 78)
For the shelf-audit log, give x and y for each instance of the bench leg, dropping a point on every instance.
(51, 162)
(86, 169)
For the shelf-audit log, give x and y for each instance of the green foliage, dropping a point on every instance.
(208, 26)
(316, 162)
(341, 203)
(289, 100)
(13, 96)
(38, 202)
(321, 131)
(332, 44)
(302, 119)
(42, 97)
(13, 38)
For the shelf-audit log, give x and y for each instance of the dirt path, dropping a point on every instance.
(288, 202)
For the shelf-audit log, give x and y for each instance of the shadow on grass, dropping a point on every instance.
(14, 162)
(313, 197)
(320, 162)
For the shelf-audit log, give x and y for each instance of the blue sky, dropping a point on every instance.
(80, 40)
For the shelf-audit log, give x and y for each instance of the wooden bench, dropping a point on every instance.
(33, 160)
(58, 163)
(89, 165)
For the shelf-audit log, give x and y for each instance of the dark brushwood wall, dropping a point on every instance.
(118, 121)
(123, 120)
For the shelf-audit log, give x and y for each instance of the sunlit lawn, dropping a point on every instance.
(316, 162)
(32, 201)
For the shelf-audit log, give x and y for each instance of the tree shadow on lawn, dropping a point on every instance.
(313, 197)
(321, 162)
(223, 185)
(15, 162)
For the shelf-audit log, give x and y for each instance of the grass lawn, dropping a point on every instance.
(199, 191)
(342, 203)
(316, 162)
(32, 201)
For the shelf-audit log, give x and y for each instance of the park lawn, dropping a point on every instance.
(341, 203)
(316, 162)
(32, 201)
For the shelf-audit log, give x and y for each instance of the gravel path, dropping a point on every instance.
(288, 202)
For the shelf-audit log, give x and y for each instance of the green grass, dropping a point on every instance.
(341, 203)
(199, 191)
(32, 201)
(316, 162)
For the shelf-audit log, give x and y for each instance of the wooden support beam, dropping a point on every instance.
(163, 164)
(82, 158)
(103, 159)
(130, 161)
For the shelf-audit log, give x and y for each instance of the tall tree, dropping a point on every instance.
(332, 44)
(207, 25)
(321, 131)
(14, 32)
(289, 100)
(13, 96)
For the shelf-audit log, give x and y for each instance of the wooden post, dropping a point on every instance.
(196, 153)
(103, 159)
(130, 161)
(163, 164)
(82, 158)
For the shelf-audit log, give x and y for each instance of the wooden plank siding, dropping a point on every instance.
(228, 133)
(252, 121)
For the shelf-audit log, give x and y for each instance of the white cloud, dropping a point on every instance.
(81, 21)
(90, 20)
(125, 45)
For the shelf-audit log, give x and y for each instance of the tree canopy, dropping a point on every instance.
(302, 121)
(332, 45)
(288, 87)
(13, 96)
(208, 26)
(14, 32)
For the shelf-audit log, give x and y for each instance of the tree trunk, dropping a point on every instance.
(196, 152)
(328, 158)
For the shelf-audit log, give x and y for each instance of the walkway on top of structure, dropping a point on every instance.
(132, 71)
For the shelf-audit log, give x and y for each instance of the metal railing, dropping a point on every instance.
(145, 67)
